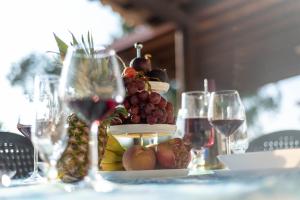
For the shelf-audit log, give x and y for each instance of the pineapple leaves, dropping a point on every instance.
(62, 46)
(75, 42)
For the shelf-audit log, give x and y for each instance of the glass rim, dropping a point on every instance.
(225, 92)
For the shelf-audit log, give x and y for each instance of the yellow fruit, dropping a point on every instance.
(114, 145)
(112, 166)
(111, 157)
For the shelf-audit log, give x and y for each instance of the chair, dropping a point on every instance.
(286, 139)
(16, 153)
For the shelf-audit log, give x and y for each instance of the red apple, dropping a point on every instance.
(165, 156)
(139, 158)
(173, 154)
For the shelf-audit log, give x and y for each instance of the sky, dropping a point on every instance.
(28, 25)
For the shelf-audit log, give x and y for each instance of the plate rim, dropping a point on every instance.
(159, 86)
(142, 128)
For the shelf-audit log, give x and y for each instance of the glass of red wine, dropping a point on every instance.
(226, 113)
(197, 130)
(48, 131)
(91, 86)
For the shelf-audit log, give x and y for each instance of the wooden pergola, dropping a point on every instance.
(241, 44)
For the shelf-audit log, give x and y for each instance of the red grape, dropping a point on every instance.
(169, 107)
(135, 119)
(143, 96)
(134, 110)
(132, 89)
(126, 104)
(149, 108)
(151, 119)
(162, 103)
(140, 84)
(127, 80)
(143, 114)
(134, 100)
(158, 113)
(170, 118)
(154, 98)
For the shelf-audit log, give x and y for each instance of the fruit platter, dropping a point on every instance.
(143, 113)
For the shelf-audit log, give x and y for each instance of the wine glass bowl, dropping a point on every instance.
(226, 113)
(197, 130)
(49, 134)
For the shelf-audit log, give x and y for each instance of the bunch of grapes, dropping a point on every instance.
(145, 106)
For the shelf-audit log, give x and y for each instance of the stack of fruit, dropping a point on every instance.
(144, 105)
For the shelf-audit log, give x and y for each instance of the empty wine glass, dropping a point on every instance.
(226, 113)
(197, 130)
(91, 86)
(24, 125)
(49, 134)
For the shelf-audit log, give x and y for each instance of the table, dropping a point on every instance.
(225, 185)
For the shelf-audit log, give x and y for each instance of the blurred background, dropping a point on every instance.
(252, 46)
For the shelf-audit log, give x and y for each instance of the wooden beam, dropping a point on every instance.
(166, 10)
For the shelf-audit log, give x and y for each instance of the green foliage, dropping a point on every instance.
(62, 46)
(23, 72)
(258, 103)
(86, 45)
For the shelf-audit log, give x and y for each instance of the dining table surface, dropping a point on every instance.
(218, 184)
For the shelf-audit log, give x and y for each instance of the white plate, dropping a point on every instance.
(278, 159)
(142, 174)
(136, 130)
(160, 87)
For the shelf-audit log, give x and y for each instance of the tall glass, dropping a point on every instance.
(91, 86)
(226, 113)
(24, 125)
(49, 133)
(197, 129)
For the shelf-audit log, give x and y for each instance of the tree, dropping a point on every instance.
(23, 72)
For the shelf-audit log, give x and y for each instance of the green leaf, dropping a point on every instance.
(75, 42)
(84, 45)
(62, 46)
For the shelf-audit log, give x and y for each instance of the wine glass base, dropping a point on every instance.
(34, 179)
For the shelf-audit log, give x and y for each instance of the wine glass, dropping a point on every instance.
(91, 86)
(24, 125)
(49, 133)
(226, 113)
(197, 130)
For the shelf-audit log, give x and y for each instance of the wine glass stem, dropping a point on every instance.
(35, 160)
(52, 173)
(93, 150)
(228, 151)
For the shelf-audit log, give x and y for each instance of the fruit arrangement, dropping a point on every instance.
(144, 105)
(141, 106)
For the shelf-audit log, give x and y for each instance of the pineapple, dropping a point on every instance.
(73, 164)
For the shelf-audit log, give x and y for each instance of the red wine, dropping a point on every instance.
(24, 129)
(199, 132)
(227, 126)
(92, 108)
